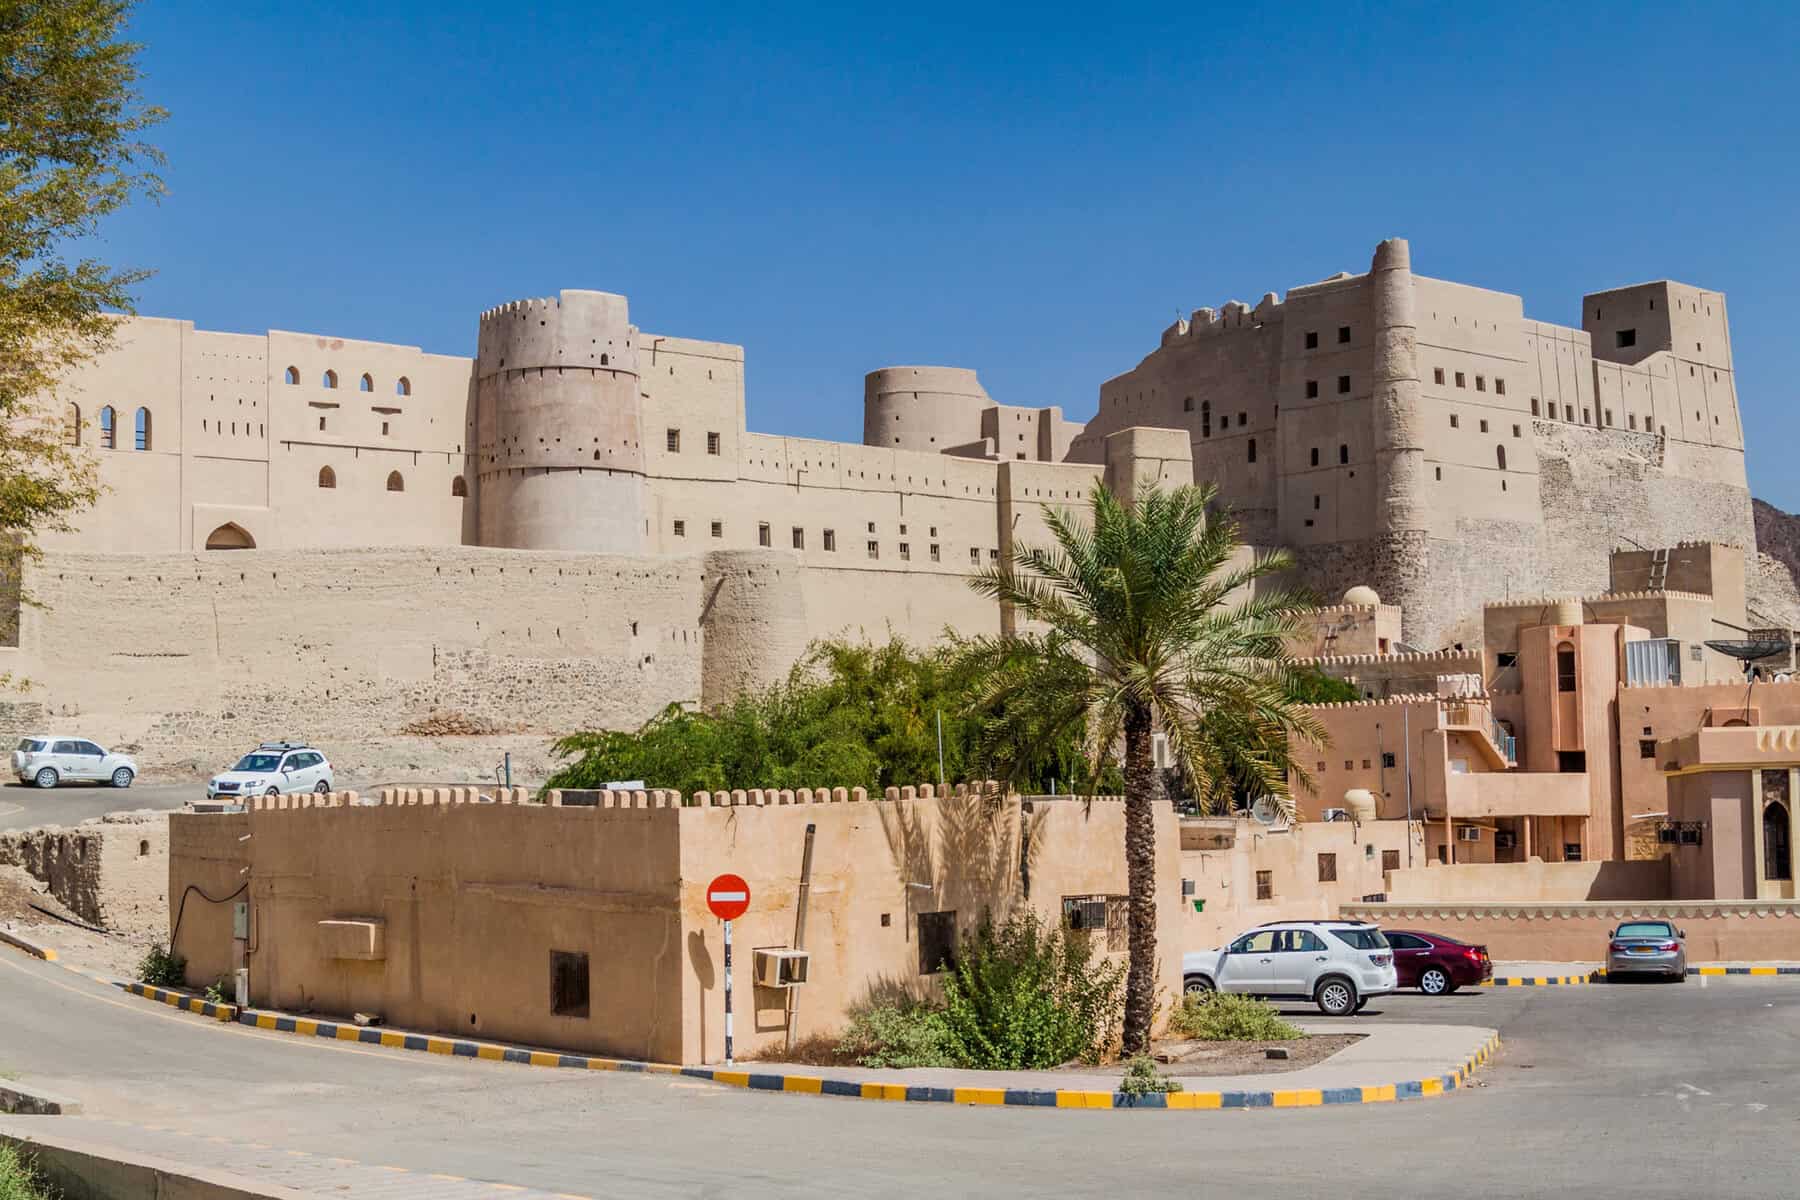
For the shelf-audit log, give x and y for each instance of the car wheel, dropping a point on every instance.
(274, 791)
(45, 778)
(121, 778)
(1197, 985)
(1362, 1002)
(1434, 981)
(321, 787)
(1335, 996)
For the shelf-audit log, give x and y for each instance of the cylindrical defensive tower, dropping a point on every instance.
(922, 408)
(559, 426)
(1399, 436)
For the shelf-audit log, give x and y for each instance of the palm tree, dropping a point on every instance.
(1140, 621)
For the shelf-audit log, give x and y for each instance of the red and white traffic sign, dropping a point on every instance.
(728, 896)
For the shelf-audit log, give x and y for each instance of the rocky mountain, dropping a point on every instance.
(1775, 578)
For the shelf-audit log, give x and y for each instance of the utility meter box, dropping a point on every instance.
(781, 968)
(240, 921)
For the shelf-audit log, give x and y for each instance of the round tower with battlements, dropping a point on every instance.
(559, 426)
(1399, 442)
(923, 408)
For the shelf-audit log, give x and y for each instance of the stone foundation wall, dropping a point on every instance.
(109, 872)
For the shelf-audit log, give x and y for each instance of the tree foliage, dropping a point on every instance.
(1310, 685)
(849, 714)
(71, 153)
(1142, 620)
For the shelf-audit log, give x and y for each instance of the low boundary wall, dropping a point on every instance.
(1717, 930)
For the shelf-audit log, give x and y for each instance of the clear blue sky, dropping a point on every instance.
(1034, 192)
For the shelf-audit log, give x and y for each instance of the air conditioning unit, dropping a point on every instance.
(1505, 839)
(1468, 833)
(1335, 814)
(781, 968)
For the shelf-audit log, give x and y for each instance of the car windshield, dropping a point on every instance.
(258, 762)
(1645, 929)
(30, 744)
(1361, 939)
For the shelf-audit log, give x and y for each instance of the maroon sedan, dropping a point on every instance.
(1435, 964)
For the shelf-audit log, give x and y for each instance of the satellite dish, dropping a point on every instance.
(1749, 650)
(1266, 810)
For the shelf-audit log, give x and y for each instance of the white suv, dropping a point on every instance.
(272, 769)
(47, 760)
(1338, 965)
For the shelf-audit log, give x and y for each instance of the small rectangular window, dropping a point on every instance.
(1568, 412)
(1454, 422)
(1315, 456)
(1390, 860)
(1437, 375)
(384, 428)
(993, 555)
(1631, 420)
(1343, 456)
(673, 439)
(1499, 386)
(1624, 338)
(1505, 658)
(934, 531)
(1460, 381)
(1483, 424)
(1387, 758)
(937, 941)
(905, 552)
(1481, 383)
(831, 539)
(1312, 388)
(799, 538)
(1315, 502)
(1534, 406)
(1343, 385)
(874, 549)
(568, 984)
(934, 552)
(718, 529)
(974, 556)
(1608, 415)
(712, 443)
(1328, 868)
(1312, 339)
(871, 527)
(762, 534)
(1647, 748)
(1343, 335)
(1571, 851)
(1440, 473)
(1515, 431)
(681, 529)
(1265, 885)
(1585, 418)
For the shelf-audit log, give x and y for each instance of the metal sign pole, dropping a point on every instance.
(728, 993)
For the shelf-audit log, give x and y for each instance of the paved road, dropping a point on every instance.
(22, 807)
(1604, 1091)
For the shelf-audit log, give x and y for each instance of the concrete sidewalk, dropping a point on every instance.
(1387, 1055)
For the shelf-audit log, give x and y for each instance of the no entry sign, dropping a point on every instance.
(728, 896)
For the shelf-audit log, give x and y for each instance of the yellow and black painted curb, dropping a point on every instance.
(193, 1004)
(31, 948)
(1408, 1089)
(1599, 976)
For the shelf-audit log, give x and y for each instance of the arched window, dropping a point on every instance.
(230, 536)
(366, 383)
(329, 379)
(1778, 854)
(1565, 668)
(1252, 449)
(72, 425)
(603, 360)
(292, 376)
(403, 386)
(143, 429)
(327, 477)
(109, 430)
(458, 487)
(395, 483)
(1500, 456)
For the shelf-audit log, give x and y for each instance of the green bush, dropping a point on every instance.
(1226, 1017)
(163, 968)
(897, 1035)
(1142, 1078)
(1024, 996)
(18, 1180)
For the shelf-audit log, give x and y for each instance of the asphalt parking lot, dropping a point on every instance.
(1630, 1090)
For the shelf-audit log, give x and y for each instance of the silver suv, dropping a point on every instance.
(1338, 965)
(47, 760)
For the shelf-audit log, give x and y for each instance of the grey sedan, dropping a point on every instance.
(1647, 948)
